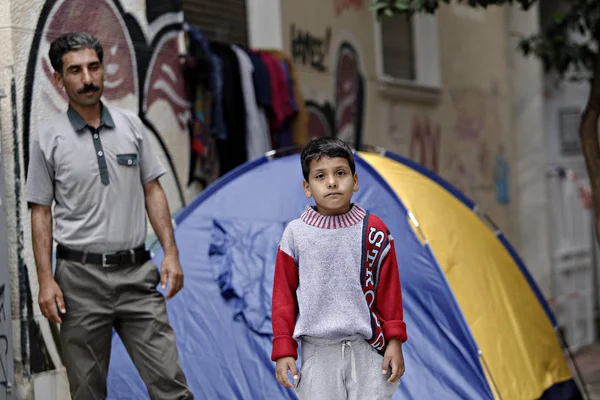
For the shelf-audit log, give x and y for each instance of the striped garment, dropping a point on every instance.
(336, 276)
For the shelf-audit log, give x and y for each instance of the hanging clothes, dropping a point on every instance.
(200, 49)
(199, 75)
(258, 140)
(286, 136)
(280, 97)
(300, 123)
(232, 149)
(204, 161)
(247, 101)
(262, 90)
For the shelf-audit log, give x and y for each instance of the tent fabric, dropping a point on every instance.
(228, 238)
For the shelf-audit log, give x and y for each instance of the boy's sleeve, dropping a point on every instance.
(388, 300)
(284, 302)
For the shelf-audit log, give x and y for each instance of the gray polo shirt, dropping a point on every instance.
(95, 177)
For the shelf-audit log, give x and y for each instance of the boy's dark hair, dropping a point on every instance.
(325, 146)
(72, 41)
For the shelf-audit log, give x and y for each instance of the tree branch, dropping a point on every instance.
(588, 132)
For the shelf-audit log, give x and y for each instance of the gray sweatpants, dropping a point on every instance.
(343, 369)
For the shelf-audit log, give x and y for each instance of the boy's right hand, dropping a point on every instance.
(282, 366)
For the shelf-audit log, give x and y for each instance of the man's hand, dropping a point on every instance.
(51, 298)
(171, 272)
(282, 367)
(393, 355)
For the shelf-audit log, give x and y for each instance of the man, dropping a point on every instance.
(96, 163)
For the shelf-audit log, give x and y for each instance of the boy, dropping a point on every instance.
(337, 289)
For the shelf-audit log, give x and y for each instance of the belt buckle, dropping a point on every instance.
(104, 263)
(119, 254)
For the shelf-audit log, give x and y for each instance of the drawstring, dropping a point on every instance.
(352, 359)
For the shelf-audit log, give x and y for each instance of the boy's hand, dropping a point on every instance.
(393, 355)
(282, 367)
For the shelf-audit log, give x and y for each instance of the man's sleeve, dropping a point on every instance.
(39, 188)
(284, 302)
(388, 300)
(150, 166)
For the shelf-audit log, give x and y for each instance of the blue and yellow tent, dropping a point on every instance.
(478, 326)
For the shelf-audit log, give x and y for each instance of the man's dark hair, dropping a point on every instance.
(72, 41)
(325, 146)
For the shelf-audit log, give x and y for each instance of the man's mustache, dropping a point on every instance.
(88, 88)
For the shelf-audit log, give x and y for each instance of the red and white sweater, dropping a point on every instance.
(336, 276)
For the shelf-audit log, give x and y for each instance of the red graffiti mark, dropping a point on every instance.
(166, 80)
(109, 28)
(458, 172)
(470, 108)
(342, 5)
(320, 120)
(425, 142)
(348, 95)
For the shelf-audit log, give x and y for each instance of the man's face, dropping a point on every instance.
(82, 77)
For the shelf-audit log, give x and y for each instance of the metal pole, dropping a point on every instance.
(578, 376)
(485, 365)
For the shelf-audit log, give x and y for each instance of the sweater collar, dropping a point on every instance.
(312, 217)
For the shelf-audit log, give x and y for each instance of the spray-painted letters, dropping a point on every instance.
(342, 5)
(309, 49)
(425, 142)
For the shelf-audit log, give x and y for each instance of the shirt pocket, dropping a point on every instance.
(128, 160)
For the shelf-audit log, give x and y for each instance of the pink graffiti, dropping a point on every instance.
(425, 142)
(320, 120)
(347, 93)
(342, 5)
(166, 81)
(470, 106)
(110, 29)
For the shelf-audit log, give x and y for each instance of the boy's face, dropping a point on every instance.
(331, 184)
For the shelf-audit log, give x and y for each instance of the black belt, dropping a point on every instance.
(139, 255)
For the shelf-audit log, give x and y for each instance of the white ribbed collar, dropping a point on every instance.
(352, 217)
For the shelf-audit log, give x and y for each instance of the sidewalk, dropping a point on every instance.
(588, 363)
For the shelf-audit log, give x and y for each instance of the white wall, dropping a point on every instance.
(264, 24)
(529, 141)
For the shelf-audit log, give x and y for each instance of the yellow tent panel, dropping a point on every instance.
(520, 350)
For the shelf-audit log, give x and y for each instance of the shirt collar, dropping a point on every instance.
(352, 217)
(79, 123)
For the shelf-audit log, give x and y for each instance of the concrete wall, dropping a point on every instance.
(143, 74)
(455, 118)
(529, 140)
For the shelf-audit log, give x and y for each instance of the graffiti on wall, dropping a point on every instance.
(478, 164)
(308, 49)
(142, 73)
(343, 116)
(425, 136)
(321, 119)
(340, 6)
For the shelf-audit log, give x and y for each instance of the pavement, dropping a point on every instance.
(587, 361)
